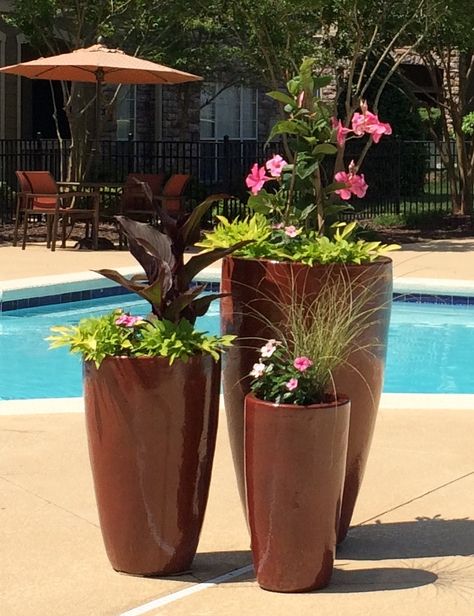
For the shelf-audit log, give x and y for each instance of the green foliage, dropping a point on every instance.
(96, 338)
(388, 220)
(468, 124)
(342, 248)
(292, 244)
(254, 230)
(316, 335)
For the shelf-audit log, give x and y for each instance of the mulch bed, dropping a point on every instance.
(37, 234)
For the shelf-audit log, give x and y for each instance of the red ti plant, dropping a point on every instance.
(159, 248)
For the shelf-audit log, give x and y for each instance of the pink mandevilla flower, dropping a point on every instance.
(268, 349)
(127, 320)
(341, 131)
(256, 179)
(292, 384)
(275, 165)
(302, 363)
(257, 370)
(292, 231)
(368, 122)
(354, 184)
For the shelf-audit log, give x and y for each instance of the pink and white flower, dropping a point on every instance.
(268, 349)
(256, 179)
(258, 370)
(127, 320)
(292, 384)
(302, 363)
(292, 231)
(275, 165)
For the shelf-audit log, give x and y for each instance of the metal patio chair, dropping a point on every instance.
(40, 194)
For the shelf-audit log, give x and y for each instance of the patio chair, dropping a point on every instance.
(173, 196)
(135, 202)
(40, 194)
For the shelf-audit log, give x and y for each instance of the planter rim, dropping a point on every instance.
(159, 358)
(378, 261)
(340, 400)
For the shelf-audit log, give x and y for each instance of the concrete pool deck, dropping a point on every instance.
(410, 551)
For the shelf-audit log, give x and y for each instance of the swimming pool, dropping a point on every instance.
(430, 348)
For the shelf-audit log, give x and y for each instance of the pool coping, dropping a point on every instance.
(388, 401)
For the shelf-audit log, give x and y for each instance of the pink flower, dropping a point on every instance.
(278, 225)
(302, 363)
(275, 165)
(257, 370)
(368, 122)
(341, 131)
(292, 231)
(354, 184)
(256, 179)
(268, 349)
(127, 320)
(292, 384)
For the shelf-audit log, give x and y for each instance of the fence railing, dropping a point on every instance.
(402, 176)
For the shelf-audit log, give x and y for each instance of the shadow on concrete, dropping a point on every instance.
(441, 246)
(419, 538)
(377, 579)
(213, 564)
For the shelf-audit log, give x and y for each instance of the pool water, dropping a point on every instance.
(430, 348)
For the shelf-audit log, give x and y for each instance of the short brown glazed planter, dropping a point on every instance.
(151, 431)
(262, 286)
(295, 459)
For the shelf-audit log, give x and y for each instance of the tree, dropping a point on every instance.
(59, 26)
(448, 53)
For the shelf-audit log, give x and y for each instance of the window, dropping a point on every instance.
(231, 112)
(126, 112)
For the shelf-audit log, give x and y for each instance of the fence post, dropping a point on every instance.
(130, 157)
(226, 164)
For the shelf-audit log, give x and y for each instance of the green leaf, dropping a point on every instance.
(259, 203)
(303, 171)
(281, 97)
(322, 82)
(325, 148)
(282, 127)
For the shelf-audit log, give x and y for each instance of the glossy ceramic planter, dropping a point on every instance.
(253, 286)
(151, 431)
(295, 458)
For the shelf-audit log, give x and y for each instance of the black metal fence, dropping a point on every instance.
(402, 176)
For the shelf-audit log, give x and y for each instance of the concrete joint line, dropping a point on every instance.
(186, 592)
(415, 498)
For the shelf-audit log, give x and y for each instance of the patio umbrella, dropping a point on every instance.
(99, 64)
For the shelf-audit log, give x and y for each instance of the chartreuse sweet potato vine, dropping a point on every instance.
(120, 335)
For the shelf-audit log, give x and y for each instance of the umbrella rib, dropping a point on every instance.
(94, 72)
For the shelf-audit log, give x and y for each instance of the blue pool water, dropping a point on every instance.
(430, 348)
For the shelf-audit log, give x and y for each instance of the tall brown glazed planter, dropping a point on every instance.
(254, 285)
(151, 430)
(295, 458)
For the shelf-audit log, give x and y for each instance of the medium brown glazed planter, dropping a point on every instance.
(151, 431)
(295, 458)
(253, 286)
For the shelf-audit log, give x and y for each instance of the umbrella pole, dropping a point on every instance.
(99, 74)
